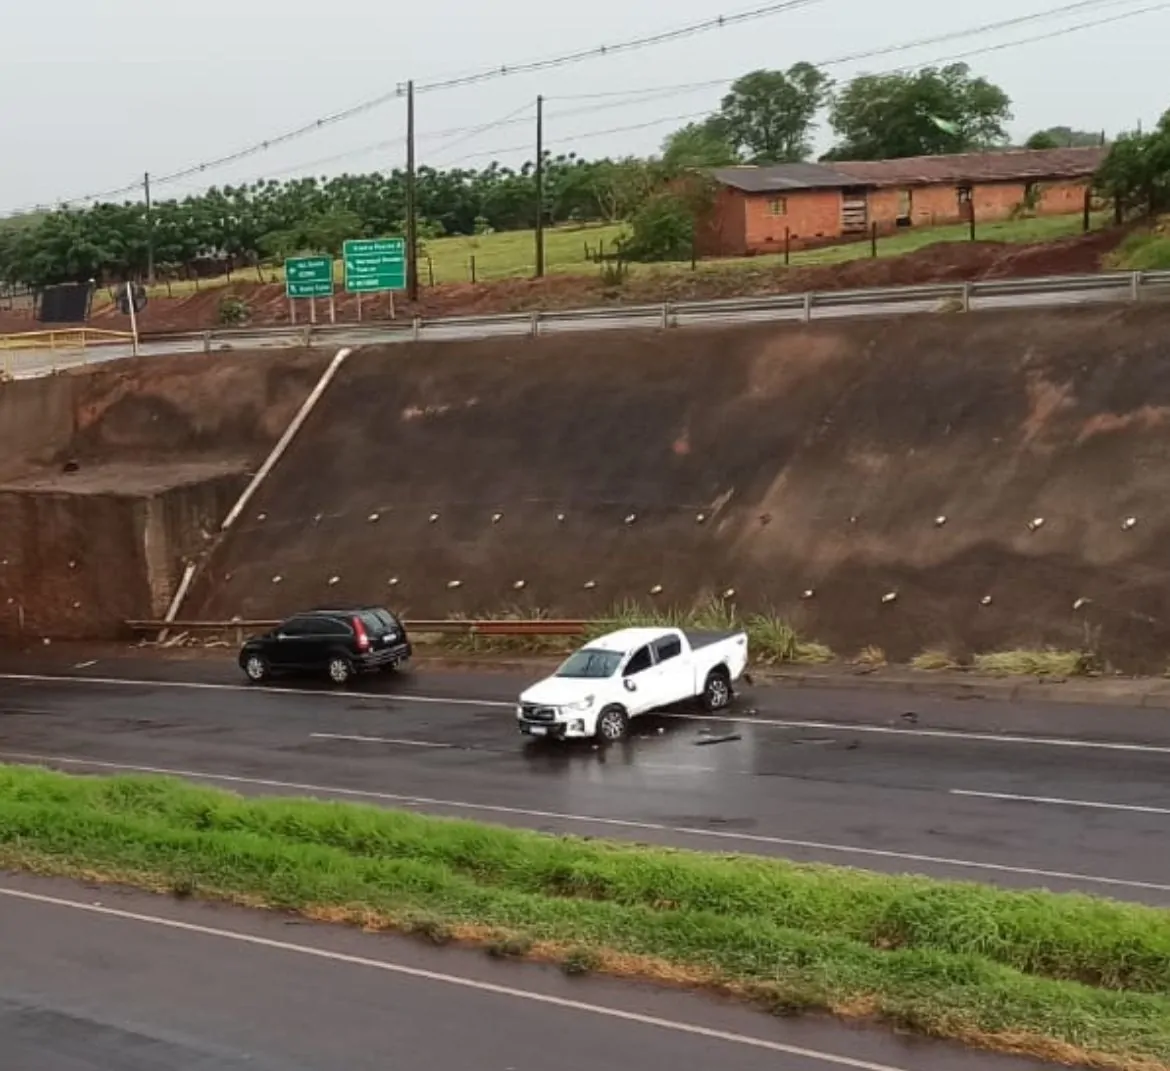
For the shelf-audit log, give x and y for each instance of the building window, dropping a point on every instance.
(778, 206)
(964, 195)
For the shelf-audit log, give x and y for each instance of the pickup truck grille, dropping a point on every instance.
(530, 712)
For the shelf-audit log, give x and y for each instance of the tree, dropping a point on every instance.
(932, 111)
(768, 117)
(703, 144)
(663, 228)
(1136, 174)
(1064, 137)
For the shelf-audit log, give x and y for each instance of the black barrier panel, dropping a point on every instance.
(68, 303)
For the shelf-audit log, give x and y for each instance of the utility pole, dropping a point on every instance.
(539, 187)
(149, 231)
(411, 205)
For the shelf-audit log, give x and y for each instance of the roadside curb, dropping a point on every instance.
(1149, 695)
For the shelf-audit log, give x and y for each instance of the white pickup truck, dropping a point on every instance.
(616, 677)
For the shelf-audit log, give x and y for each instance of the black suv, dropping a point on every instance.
(339, 643)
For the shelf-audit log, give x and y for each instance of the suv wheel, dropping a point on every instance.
(340, 669)
(255, 669)
(612, 725)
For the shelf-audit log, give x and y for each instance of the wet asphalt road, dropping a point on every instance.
(120, 988)
(1082, 801)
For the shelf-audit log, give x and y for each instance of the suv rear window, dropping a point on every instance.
(373, 622)
(388, 619)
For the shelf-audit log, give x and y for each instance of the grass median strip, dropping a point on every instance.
(1065, 977)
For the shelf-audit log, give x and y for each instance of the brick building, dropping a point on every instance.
(756, 209)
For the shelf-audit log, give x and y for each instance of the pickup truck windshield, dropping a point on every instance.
(590, 663)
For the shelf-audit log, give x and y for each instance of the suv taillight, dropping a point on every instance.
(363, 641)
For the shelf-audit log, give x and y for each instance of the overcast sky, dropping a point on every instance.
(98, 91)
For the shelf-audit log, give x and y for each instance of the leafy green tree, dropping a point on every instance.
(663, 228)
(932, 111)
(1063, 137)
(1136, 174)
(703, 144)
(769, 116)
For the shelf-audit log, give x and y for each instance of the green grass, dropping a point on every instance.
(771, 640)
(934, 660)
(511, 254)
(1044, 662)
(1143, 251)
(1056, 975)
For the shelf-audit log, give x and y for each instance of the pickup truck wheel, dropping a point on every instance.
(717, 690)
(340, 670)
(612, 725)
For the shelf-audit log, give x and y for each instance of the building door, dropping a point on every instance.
(966, 204)
(854, 211)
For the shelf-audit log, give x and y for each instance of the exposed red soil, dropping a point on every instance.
(768, 459)
(943, 262)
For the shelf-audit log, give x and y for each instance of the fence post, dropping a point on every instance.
(1135, 286)
(808, 304)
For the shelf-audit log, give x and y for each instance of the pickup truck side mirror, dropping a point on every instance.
(630, 685)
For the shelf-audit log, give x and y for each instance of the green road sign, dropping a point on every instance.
(308, 277)
(375, 264)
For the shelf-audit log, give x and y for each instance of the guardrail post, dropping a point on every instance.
(806, 310)
(206, 341)
(307, 336)
(535, 323)
(667, 315)
(416, 328)
(1135, 286)
(965, 297)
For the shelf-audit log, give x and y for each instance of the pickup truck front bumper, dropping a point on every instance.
(552, 728)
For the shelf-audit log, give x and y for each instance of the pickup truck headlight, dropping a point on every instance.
(581, 704)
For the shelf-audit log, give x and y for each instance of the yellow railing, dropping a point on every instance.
(72, 338)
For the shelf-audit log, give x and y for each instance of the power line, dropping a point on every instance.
(885, 50)
(488, 74)
(620, 98)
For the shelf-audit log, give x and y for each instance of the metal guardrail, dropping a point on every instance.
(23, 360)
(537, 627)
(69, 338)
(1124, 285)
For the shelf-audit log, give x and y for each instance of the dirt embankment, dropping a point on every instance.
(944, 262)
(157, 450)
(816, 470)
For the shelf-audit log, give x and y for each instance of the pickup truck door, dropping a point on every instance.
(675, 670)
(644, 675)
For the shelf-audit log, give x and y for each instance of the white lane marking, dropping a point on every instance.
(378, 740)
(204, 686)
(584, 819)
(498, 704)
(1056, 801)
(452, 980)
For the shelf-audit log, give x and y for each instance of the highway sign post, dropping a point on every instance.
(375, 266)
(309, 277)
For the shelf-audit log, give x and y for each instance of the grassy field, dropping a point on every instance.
(511, 254)
(1065, 977)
